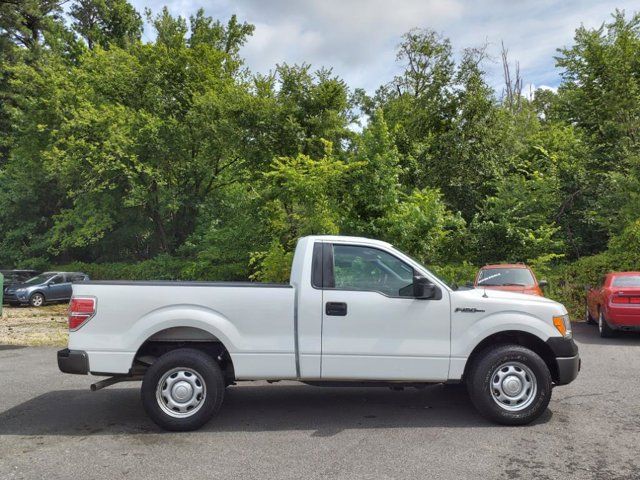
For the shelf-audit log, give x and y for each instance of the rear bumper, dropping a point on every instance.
(73, 361)
(568, 368)
(623, 316)
(623, 320)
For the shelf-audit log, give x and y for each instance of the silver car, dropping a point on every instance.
(43, 288)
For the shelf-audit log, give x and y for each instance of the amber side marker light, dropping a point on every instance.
(563, 325)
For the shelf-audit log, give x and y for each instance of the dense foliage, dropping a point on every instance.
(170, 159)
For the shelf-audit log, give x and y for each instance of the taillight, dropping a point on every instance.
(619, 299)
(81, 309)
(625, 300)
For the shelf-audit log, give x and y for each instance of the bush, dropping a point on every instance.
(568, 282)
(460, 274)
(162, 267)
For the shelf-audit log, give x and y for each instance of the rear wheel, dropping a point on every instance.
(510, 384)
(36, 300)
(183, 389)
(605, 330)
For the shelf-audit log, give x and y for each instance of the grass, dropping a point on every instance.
(45, 326)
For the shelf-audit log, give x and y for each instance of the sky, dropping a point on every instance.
(358, 38)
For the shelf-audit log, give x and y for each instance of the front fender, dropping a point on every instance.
(463, 342)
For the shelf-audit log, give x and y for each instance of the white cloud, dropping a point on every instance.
(358, 37)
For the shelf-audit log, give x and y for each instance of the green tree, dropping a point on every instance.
(372, 185)
(422, 226)
(601, 87)
(24, 22)
(515, 224)
(102, 22)
(299, 200)
(137, 139)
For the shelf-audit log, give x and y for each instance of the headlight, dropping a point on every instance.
(563, 324)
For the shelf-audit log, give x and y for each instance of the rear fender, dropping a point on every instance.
(176, 316)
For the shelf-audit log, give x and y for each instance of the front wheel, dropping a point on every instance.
(590, 320)
(183, 389)
(510, 385)
(36, 300)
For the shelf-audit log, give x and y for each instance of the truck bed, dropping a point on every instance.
(257, 320)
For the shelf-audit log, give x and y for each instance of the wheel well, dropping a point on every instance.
(519, 338)
(170, 339)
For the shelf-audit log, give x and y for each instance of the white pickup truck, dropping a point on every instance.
(356, 311)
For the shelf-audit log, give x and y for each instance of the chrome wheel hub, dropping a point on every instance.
(513, 386)
(181, 392)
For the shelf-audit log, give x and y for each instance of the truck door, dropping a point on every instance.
(373, 328)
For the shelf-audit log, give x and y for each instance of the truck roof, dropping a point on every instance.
(348, 239)
(505, 265)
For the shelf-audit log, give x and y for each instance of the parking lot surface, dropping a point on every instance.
(52, 426)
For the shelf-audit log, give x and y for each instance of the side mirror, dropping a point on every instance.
(543, 283)
(423, 289)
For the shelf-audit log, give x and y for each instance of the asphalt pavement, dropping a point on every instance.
(53, 427)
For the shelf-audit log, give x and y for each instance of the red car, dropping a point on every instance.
(615, 304)
(512, 277)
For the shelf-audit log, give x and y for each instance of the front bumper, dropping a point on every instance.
(568, 368)
(10, 297)
(73, 361)
(15, 297)
(567, 359)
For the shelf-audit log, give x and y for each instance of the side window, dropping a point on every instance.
(366, 268)
(56, 280)
(76, 278)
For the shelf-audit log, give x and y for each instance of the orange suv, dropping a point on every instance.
(511, 277)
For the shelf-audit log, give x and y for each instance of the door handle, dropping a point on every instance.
(337, 309)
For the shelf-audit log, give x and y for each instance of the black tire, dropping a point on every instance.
(605, 330)
(205, 367)
(483, 373)
(590, 320)
(37, 300)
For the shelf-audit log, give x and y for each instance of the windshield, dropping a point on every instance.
(39, 279)
(626, 281)
(505, 277)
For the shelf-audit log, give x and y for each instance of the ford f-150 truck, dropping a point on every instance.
(356, 311)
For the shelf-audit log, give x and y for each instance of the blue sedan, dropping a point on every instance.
(43, 288)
